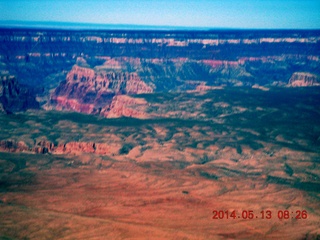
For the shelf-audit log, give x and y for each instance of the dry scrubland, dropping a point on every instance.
(161, 177)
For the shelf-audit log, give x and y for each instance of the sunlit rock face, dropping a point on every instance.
(86, 90)
(126, 106)
(303, 79)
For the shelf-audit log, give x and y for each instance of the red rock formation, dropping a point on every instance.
(126, 106)
(63, 103)
(217, 63)
(102, 148)
(83, 147)
(76, 147)
(86, 90)
(303, 79)
(43, 147)
(136, 86)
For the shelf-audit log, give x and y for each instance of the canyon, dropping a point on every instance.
(83, 70)
(143, 134)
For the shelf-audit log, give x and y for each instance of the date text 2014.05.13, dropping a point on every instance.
(264, 214)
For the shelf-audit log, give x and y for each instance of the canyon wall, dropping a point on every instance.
(13, 97)
(302, 79)
(84, 70)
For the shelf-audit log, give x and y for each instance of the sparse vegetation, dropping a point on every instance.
(126, 148)
(181, 159)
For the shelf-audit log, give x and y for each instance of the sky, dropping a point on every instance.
(261, 14)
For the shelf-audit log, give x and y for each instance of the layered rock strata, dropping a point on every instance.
(303, 79)
(47, 147)
(88, 91)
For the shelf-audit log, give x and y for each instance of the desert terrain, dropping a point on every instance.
(76, 176)
(157, 134)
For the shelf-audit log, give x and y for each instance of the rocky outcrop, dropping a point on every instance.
(47, 147)
(13, 97)
(103, 148)
(126, 106)
(13, 146)
(303, 79)
(63, 103)
(43, 147)
(85, 147)
(87, 90)
(76, 147)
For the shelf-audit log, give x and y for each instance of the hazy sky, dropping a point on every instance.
(201, 13)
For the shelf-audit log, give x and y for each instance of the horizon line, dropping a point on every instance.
(121, 26)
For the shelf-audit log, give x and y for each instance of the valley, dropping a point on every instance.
(73, 175)
(83, 70)
(133, 134)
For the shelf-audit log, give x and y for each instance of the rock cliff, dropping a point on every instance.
(13, 97)
(13, 146)
(303, 79)
(126, 106)
(88, 90)
(47, 147)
